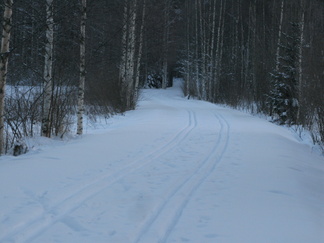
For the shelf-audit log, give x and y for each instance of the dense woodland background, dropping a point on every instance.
(263, 56)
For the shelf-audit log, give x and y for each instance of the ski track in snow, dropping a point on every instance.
(39, 223)
(169, 211)
(209, 172)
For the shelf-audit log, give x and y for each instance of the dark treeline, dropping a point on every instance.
(125, 43)
(265, 56)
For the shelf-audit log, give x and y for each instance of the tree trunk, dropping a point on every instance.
(140, 53)
(197, 57)
(7, 25)
(188, 79)
(48, 82)
(252, 51)
(127, 65)
(82, 68)
(166, 43)
(131, 56)
(212, 54)
(279, 35)
(122, 67)
(203, 52)
(218, 51)
(300, 60)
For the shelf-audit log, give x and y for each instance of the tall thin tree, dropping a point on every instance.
(48, 66)
(140, 53)
(279, 34)
(188, 51)
(219, 43)
(7, 25)
(212, 51)
(166, 43)
(82, 67)
(197, 56)
(300, 59)
(127, 65)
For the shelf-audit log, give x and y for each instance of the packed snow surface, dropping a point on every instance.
(173, 170)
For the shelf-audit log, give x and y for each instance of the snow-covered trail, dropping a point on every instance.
(174, 170)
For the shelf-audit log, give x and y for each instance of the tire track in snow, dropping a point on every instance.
(160, 224)
(38, 223)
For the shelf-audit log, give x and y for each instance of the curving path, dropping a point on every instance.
(174, 170)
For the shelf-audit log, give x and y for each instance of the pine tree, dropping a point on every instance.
(283, 98)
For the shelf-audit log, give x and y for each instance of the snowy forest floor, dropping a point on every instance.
(173, 170)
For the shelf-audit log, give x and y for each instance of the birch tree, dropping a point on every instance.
(166, 43)
(188, 52)
(127, 65)
(140, 53)
(300, 59)
(212, 51)
(279, 34)
(48, 66)
(5, 41)
(131, 56)
(82, 67)
(219, 45)
(202, 51)
(197, 56)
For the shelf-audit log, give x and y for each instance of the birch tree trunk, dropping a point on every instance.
(218, 50)
(166, 43)
(203, 52)
(197, 57)
(279, 35)
(130, 71)
(82, 68)
(212, 53)
(252, 51)
(300, 60)
(188, 79)
(124, 45)
(127, 65)
(140, 53)
(220, 57)
(5, 41)
(48, 82)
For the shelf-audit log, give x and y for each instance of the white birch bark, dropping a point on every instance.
(82, 68)
(166, 44)
(130, 70)
(241, 45)
(188, 80)
(197, 57)
(46, 126)
(5, 41)
(218, 50)
(127, 65)
(122, 68)
(237, 44)
(253, 45)
(279, 35)
(212, 51)
(300, 61)
(203, 52)
(140, 53)
(300, 54)
(222, 38)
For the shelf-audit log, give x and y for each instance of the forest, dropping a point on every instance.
(63, 60)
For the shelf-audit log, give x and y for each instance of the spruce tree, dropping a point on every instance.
(283, 97)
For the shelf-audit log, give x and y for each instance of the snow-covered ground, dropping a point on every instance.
(174, 170)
